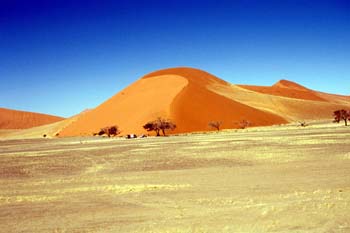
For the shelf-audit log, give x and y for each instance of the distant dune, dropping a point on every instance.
(287, 89)
(14, 119)
(49, 130)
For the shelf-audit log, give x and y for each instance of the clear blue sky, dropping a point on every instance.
(61, 57)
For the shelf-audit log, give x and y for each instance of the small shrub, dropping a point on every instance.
(244, 124)
(215, 124)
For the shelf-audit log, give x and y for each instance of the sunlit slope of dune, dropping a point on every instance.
(130, 109)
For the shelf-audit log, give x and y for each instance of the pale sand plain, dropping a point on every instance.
(268, 179)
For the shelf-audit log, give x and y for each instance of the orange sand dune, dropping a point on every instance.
(180, 94)
(192, 98)
(14, 119)
(287, 89)
(49, 130)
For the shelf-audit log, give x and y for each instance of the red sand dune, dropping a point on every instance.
(14, 119)
(181, 94)
(192, 98)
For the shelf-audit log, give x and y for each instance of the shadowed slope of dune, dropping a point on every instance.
(14, 119)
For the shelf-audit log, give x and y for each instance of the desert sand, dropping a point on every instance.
(265, 179)
(15, 119)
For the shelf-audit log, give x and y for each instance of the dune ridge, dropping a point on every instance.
(286, 88)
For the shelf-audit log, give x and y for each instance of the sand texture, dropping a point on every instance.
(265, 179)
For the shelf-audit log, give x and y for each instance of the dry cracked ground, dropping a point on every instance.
(273, 179)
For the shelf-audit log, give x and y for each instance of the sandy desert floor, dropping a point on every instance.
(272, 179)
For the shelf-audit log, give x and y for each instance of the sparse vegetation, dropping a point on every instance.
(215, 124)
(340, 115)
(109, 131)
(160, 125)
(244, 124)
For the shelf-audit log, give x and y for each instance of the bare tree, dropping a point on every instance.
(341, 114)
(159, 124)
(215, 124)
